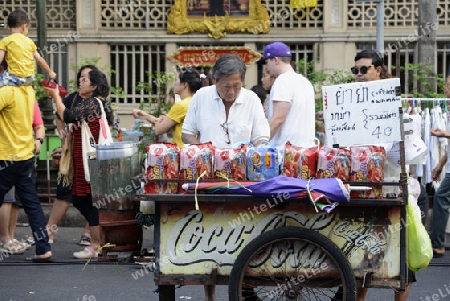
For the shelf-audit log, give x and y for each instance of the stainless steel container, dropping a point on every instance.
(116, 150)
(111, 175)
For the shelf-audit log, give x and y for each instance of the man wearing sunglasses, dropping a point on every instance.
(369, 66)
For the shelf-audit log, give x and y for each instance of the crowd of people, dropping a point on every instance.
(222, 112)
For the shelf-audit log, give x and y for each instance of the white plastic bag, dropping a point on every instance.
(416, 152)
(104, 137)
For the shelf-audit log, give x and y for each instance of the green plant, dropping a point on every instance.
(37, 86)
(320, 78)
(157, 85)
(422, 80)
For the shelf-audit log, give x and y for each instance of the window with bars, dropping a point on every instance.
(134, 64)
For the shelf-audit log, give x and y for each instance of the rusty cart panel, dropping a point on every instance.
(200, 246)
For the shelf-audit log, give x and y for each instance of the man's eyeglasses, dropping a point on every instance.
(227, 135)
(363, 69)
(234, 86)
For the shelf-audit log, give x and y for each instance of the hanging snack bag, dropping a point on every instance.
(367, 166)
(195, 160)
(262, 162)
(162, 163)
(230, 163)
(333, 163)
(300, 162)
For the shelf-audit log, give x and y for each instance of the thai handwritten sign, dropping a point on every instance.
(362, 113)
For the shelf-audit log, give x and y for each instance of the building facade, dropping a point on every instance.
(131, 37)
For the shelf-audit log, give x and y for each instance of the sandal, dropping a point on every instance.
(85, 241)
(12, 248)
(87, 253)
(30, 240)
(438, 253)
(24, 245)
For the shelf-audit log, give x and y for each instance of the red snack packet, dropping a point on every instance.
(230, 163)
(196, 159)
(300, 162)
(162, 163)
(367, 166)
(333, 163)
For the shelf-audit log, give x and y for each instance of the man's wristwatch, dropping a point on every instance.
(41, 140)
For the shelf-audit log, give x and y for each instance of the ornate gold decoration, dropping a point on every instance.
(257, 21)
(207, 56)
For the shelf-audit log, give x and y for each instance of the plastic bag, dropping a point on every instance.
(420, 251)
(104, 137)
(416, 152)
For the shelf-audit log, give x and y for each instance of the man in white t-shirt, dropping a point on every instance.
(291, 109)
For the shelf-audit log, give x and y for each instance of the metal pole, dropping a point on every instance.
(41, 30)
(426, 44)
(380, 26)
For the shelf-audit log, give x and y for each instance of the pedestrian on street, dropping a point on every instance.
(369, 66)
(92, 85)
(292, 101)
(441, 199)
(17, 162)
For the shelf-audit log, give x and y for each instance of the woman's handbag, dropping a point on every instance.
(88, 149)
(65, 173)
(88, 142)
(420, 251)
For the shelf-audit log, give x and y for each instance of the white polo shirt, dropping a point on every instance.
(246, 119)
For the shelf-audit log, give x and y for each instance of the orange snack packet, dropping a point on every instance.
(367, 166)
(300, 162)
(230, 163)
(162, 163)
(333, 163)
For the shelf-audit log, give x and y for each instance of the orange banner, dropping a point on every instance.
(207, 56)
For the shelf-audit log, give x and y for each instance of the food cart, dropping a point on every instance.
(278, 248)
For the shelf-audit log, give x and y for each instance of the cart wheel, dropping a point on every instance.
(291, 263)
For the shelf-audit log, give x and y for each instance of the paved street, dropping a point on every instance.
(65, 279)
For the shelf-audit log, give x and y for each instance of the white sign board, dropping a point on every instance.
(362, 113)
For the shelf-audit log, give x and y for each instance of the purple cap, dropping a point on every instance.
(276, 49)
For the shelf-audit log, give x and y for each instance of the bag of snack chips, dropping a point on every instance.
(300, 162)
(333, 163)
(367, 166)
(262, 162)
(162, 163)
(230, 163)
(196, 159)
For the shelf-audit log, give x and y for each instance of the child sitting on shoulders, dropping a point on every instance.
(20, 52)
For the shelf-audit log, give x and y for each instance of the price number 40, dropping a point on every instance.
(379, 131)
